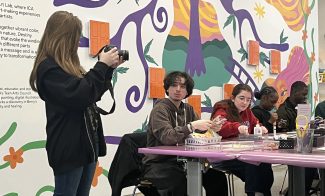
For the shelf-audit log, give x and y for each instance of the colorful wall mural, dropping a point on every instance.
(208, 39)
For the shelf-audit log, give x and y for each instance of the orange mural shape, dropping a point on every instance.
(14, 157)
(227, 90)
(195, 102)
(156, 82)
(98, 36)
(98, 172)
(275, 62)
(253, 48)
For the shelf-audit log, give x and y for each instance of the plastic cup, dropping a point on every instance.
(305, 140)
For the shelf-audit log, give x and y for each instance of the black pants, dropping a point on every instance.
(257, 178)
(310, 175)
(170, 180)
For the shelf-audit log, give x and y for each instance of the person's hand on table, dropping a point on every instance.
(243, 129)
(202, 125)
(217, 123)
(264, 130)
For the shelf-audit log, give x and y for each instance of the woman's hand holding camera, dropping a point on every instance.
(111, 58)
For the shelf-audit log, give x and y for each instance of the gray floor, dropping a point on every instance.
(279, 174)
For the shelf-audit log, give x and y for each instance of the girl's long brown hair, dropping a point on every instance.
(60, 41)
(228, 105)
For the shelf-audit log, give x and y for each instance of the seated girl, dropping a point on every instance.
(241, 120)
(265, 110)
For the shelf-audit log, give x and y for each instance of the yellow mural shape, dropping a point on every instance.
(209, 27)
(292, 12)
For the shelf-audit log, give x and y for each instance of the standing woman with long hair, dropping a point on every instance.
(265, 111)
(74, 130)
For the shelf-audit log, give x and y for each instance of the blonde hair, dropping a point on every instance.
(60, 41)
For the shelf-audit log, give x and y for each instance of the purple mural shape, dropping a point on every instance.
(241, 72)
(194, 60)
(84, 42)
(134, 18)
(81, 3)
(241, 15)
(137, 18)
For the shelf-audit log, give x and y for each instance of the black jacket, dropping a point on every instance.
(287, 112)
(263, 117)
(126, 167)
(71, 115)
(320, 110)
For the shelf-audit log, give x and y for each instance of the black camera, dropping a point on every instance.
(122, 53)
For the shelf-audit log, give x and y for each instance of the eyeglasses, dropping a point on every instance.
(244, 99)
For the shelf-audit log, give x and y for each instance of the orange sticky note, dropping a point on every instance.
(156, 82)
(227, 90)
(195, 102)
(275, 61)
(253, 49)
(98, 36)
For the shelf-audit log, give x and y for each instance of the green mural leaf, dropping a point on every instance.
(34, 145)
(150, 59)
(283, 39)
(244, 54)
(147, 48)
(4, 165)
(120, 70)
(11, 194)
(241, 51)
(114, 77)
(207, 101)
(145, 125)
(234, 24)
(105, 172)
(9, 133)
(47, 188)
(263, 58)
(243, 57)
(229, 20)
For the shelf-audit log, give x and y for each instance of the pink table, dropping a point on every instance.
(194, 156)
(296, 163)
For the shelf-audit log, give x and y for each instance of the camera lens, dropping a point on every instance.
(124, 54)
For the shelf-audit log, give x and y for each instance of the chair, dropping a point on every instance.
(229, 176)
(126, 168)
(230, 181)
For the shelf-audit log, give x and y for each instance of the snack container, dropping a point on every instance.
(203, 141)
(271, 145)
(237, 145)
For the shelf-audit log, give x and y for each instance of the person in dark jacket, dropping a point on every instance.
(171, 122)
(287, 114)
(320, 110)
(268, 97)
(74, 130)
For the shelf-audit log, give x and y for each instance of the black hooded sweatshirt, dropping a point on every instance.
(74, 130)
